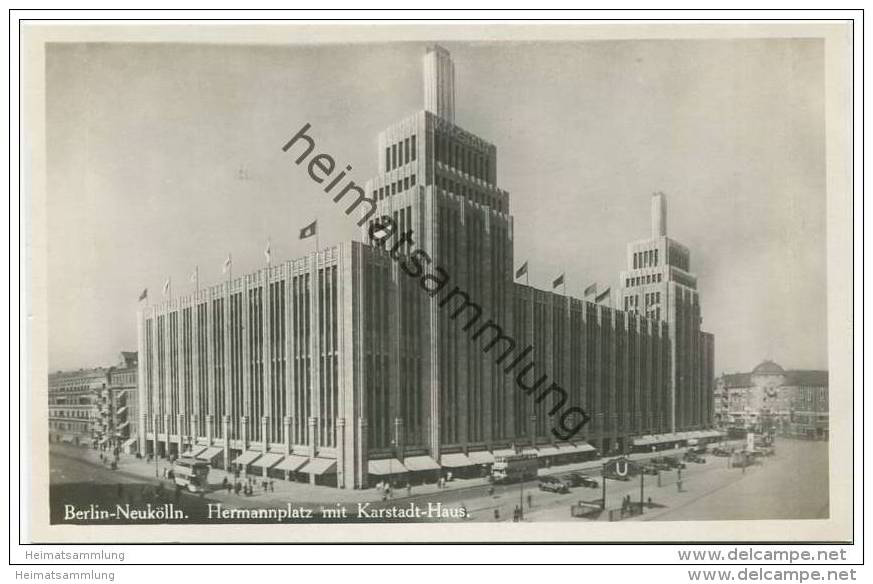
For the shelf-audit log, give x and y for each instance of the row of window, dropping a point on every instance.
(397, 186)
(72, 388)
(641, 280)
(646, 259)
(69, 426)
(474, 195)
(69, 414)
(239, 386)
(461, 158)
(400, 153)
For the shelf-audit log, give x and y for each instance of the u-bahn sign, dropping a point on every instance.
(621, 467)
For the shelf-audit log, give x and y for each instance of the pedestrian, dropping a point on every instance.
(272, 488)
(497, 515)
(408, 490)
(529, 501)
(491, 491)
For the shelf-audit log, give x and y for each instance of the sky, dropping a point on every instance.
(162, 157)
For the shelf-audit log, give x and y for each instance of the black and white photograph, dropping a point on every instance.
(532, 286)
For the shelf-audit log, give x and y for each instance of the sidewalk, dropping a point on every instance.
(303, 494)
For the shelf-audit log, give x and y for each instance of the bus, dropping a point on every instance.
(191, 474)
(512, 468)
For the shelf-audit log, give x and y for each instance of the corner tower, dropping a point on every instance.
(438, 183)
(658, 283)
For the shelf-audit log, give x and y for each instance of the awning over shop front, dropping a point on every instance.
(385, 466)
(530, 450)
(583, 447)
(268, 460)
(120, 410)
(129, 441)
(456, 460)
(651, 440)
(292, 462)
(481, 457)
(247, 457)
(123, 425)
(419, 463)
(210, 453)
(320, 466)
(195, 451)
(68, 439)
(504, 452)
(549, 451)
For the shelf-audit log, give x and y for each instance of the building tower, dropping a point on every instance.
(437, 182)
(658, 284)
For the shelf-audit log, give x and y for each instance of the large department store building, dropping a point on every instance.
(339, 368)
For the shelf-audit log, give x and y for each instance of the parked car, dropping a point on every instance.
(668, 461)
(720, 452)
(553, 485)
(589, 482)
(573, 479)
(694, 457)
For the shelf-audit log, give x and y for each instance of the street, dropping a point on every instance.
(790, 484)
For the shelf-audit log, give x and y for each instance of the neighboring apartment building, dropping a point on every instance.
(770, 398)
(74, 406)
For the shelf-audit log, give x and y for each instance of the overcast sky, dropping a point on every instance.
(146, 143)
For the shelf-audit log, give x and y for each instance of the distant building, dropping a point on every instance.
(95, 407)
(75, 406)
(769, 398)
(119, 413)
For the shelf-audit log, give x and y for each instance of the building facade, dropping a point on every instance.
(95, 407)
(120, 403)
(415, 353)
(771, 399)
(74, 406)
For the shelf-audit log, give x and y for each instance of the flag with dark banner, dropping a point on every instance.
(309, 230)
(592, 289)
(144, 295)
(605, 294)
(559, 281)
(521, 271)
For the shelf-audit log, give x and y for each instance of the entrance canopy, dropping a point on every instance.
(195, 451)
(292, 462)
(268, 460)
(385, 466)
(247, 457)
(419, 463)
(320, 466)
(210, 453)
(456, 460)
(481, 457)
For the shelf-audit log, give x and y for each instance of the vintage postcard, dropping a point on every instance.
(463, 282)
